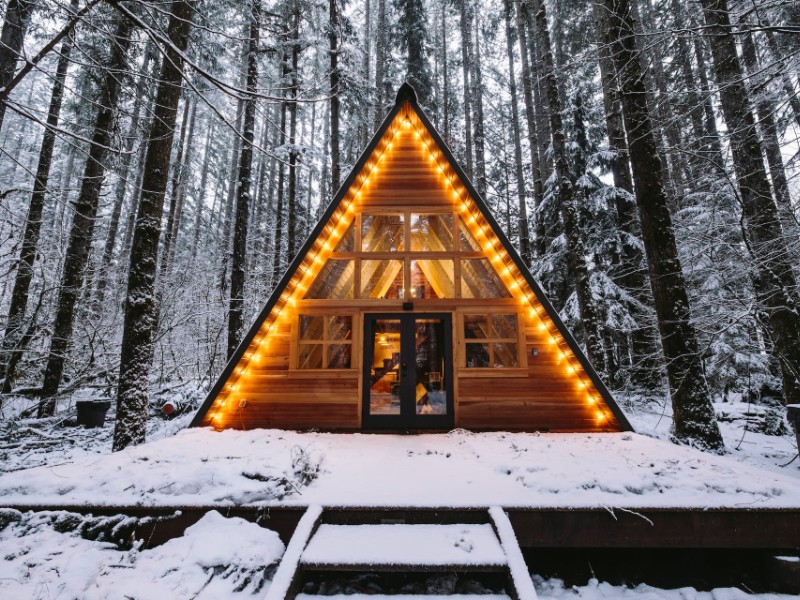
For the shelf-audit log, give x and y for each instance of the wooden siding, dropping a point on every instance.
(539, 395)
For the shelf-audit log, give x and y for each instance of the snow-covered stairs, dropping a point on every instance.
(368, 554)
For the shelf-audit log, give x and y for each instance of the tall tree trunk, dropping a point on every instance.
(629, 267)
(184, 166)
(769, 130)
(12, 349)
(791, 94)
(466, 61)
(333, 37)
(693, 416)
(140, 303)
(656, 50)
(310, 185)
(366, 67)
(477, 116)
(530, 110)
(177, 165)
(445, 77)
(85, 214)
(294, 90)
(122, 181)
(201, 191)
(413, 27)
(236, 301)
(565, 189)
(15, 25)
(380, 65)
(773, 279)
(233, 182)
(620, 169)
(694, 102)
(277, 256)
(712, 140)
(522, 218)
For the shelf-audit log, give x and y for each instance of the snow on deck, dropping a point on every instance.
(460, 469)
(430, 545)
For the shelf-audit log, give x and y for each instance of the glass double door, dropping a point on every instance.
(408, 371)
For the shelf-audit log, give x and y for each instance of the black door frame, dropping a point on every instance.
(408, 418)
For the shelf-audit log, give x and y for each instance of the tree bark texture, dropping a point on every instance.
(85, 215)
(140, 302)
(243, 197)
(565, 190)
(12, 348)
(333, 37)
(15, 25)
(773, 278)
(522, 218)
(694, 421)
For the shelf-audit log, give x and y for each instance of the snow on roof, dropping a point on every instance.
(459, 469)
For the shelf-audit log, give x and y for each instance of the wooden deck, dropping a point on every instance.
(772, 529)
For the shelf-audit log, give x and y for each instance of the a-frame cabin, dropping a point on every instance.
(408, 308)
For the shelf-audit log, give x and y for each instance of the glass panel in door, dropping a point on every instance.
(385, 383)
(430, 394)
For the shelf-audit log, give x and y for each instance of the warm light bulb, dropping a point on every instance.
(542, 326)
(590, 399)
(600, 416)
(552, 340)
(570, 369)
(463, 207)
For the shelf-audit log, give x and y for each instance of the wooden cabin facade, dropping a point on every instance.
(408, 309)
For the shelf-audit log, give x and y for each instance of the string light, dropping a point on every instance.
(338, 227)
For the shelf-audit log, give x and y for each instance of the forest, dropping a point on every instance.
(164, 160)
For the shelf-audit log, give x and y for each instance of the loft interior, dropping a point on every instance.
(407, 308)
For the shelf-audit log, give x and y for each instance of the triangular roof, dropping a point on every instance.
(406, 111)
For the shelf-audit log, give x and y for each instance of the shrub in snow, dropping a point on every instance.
(45, 556)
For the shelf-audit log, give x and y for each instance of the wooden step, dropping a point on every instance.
(455, 547)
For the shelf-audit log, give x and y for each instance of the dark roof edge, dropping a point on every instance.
(406, 93)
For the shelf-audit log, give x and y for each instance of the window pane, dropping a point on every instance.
(505, 354)
(432, 279)
(476, 327)
(432, 232)
(504, 326)
(477, 356)
(381, 279)
(334, 281)
(340, 328)
(385, 374)
(339, 356)
(382, 233)
(479, 280)
(310, 356)
(311, 328)
(467, 241)
(431, 392)
(348, 241)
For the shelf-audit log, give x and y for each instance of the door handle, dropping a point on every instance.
(404, 366)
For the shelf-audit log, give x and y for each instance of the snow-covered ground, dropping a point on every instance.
(43, 464)
(275, 467)
(215, 558)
